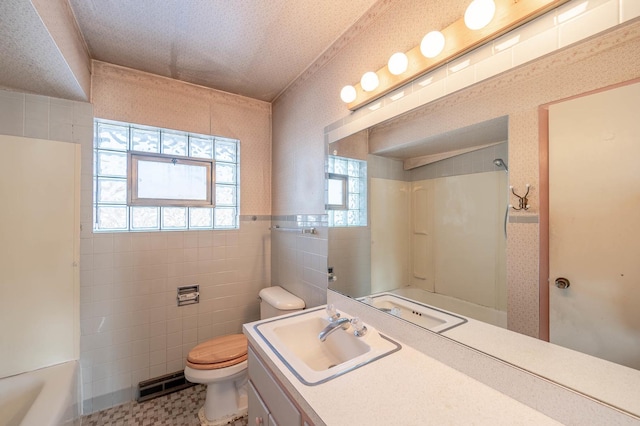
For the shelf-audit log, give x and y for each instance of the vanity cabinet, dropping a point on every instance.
(269, 404)
(258, 411)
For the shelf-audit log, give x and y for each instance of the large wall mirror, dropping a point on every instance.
(437, 211)
(432, 228)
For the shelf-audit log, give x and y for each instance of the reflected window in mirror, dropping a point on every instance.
(337, 191)
(346, 191)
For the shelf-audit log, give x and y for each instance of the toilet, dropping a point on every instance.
(221, 363)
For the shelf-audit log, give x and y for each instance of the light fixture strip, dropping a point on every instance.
(459, 40)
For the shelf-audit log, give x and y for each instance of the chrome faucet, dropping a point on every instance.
(333, 326)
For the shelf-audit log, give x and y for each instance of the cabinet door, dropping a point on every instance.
(280, 406)
(258, 412)
(272, 422)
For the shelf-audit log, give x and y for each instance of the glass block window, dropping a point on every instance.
(347, 201)
(206, 175)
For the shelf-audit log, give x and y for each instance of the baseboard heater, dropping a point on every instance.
(163, 385)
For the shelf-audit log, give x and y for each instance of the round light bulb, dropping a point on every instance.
(432, 44)
(398, 63)
(369, 81)
(348, 94)
(479, 13)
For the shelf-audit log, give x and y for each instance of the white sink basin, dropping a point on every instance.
(426, 316)
(294, 340)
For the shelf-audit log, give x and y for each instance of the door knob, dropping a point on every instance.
(562, 283)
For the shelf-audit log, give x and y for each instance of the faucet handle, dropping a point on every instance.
(359, 329)
(332, 313)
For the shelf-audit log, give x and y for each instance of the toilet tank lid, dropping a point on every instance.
(280, 298)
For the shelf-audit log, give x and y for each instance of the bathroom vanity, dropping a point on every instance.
(432, 379)
(404, 387)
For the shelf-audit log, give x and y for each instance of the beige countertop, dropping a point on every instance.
(602, 380)
(406, 387)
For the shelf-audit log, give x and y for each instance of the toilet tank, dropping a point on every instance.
(276, 301)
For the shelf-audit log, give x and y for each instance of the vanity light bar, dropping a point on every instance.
(459, 39)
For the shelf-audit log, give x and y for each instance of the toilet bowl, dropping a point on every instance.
(221, 363)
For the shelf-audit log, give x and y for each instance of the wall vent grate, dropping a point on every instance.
(163, 385)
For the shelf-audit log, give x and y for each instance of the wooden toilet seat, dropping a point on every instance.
(220, 352)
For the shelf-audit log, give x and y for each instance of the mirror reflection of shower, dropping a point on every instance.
(500, 163)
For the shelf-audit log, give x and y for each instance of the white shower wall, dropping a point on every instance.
(39, 244)
(39, 313)
(468, 239)
(441, 235)
(390, 238)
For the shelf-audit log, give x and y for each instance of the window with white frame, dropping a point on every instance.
(147, 178)
(346, 191)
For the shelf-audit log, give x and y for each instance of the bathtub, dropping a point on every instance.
(45, 397)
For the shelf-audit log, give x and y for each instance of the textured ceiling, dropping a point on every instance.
(30, 60)
(254, 48)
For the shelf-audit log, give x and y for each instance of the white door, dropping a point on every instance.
(594, 224)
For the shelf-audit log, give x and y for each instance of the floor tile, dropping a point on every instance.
(176, 409)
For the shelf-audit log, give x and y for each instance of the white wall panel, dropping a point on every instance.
(39, 249)
(390, 234)
(468, 238)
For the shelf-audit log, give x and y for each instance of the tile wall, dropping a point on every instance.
(42, 117)
(299, 261)
(131, 328)
(350, 257)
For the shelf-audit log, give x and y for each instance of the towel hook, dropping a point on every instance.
(523, 201)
